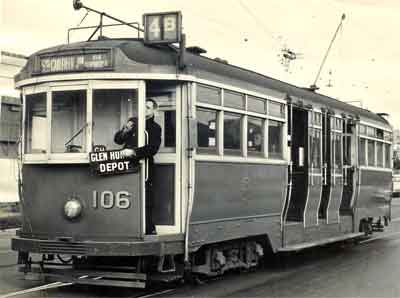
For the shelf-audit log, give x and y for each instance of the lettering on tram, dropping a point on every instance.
(107, 200)
(74, 61)
(111, 162)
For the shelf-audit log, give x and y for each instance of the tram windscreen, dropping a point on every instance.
(111, 110)
(35, 123)
(68, 122)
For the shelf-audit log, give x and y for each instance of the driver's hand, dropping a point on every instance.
(128, 152)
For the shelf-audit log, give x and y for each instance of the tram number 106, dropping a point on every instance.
(108, 200)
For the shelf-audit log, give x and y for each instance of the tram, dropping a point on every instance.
(247, 165)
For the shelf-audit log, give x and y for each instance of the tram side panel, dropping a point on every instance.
(374, 195)
(106, 213)
(236, 201)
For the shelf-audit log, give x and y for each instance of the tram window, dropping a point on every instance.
(208, 94)
(388, 163)
(232, 134)
(275, 135)
(255, 104)
(255, 136)
(233, 100)
(317, 119)
(276, 109)
(68, 122)
(387, 136)
(207, 131)
(371, 132)
(169, 131)
(111, 109)
(379, 134)
(379, 154)
(363, 130)
(35, 123)
(347, 150)
(337, 145)
(371, 153)
(315, 148)
(361, 152)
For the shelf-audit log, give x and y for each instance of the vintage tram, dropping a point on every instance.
(247, 165)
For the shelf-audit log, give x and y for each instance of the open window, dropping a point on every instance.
(164, 94)
(111, 110)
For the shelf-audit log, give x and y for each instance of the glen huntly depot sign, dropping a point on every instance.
(111, 163)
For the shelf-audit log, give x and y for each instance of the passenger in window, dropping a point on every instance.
(126, 136)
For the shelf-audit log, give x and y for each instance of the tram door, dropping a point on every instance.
(349, 159)
(314, 169)
(326, 164)
(336, 170)
(296, 199)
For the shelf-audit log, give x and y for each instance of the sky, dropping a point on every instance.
(361, 67)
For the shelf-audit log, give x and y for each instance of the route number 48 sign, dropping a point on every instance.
(162, 28)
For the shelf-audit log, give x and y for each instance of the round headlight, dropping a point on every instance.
(72, 209)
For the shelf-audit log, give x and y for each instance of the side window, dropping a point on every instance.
(232, 134)
(207, 131)
(379, 154)
(315, 148)
(207, 94)
(388, 161)
(361, 152)
(255, 136)
(256, 105)
(233, 100)
(276, 109)
(275, 139)
(371, 153)
(164, 94)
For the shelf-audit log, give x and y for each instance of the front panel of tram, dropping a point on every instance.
(64, 125)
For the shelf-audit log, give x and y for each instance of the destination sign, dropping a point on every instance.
(112, 163)
(86, 61)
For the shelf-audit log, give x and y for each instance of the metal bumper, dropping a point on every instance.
(154, 245)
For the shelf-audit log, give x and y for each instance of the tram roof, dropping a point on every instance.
(138, 52)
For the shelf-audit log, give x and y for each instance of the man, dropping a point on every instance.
(127, 136)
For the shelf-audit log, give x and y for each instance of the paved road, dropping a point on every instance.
(369, 269)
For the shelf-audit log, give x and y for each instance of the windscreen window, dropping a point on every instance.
(68, 124)
(35, 123)
(111, 110)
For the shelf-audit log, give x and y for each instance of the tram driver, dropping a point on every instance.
(126, 136)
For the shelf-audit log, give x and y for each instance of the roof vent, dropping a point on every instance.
(196, 50)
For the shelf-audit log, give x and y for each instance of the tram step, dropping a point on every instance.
(94, 277)
(300, 246)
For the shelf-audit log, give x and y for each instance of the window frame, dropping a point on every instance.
(244, 113)
(363, 129)
(72, 158)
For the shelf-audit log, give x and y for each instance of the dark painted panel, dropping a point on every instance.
(296, 233)
(164, 194)
(46, 188)
(204, 233)
(226, 190)
(374, 196)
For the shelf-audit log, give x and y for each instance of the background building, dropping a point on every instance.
(10, 119)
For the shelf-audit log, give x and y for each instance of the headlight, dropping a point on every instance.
(73, 209)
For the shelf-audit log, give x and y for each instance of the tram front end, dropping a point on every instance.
(83, 203)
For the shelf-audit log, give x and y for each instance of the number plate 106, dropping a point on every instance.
(108, 200)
